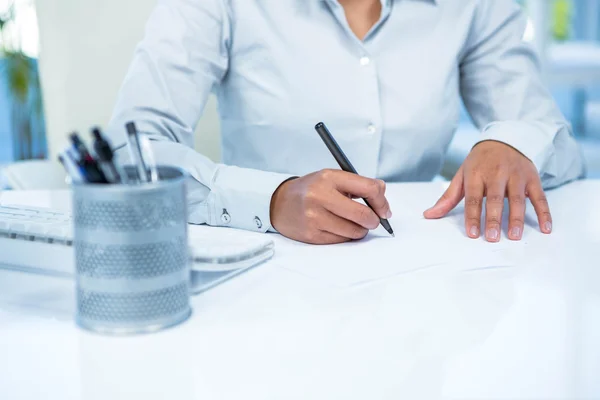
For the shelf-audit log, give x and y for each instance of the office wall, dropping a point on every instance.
(85, 49)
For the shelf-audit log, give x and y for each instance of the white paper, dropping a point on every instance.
(422, 246)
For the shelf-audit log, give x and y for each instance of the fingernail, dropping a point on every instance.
(474, 231)
(516, 232)
(548, 226)
(388, 215)
(492, 234)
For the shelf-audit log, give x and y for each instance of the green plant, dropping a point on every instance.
(21, 75)
(561, 19)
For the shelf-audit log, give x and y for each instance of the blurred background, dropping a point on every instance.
(62, 62)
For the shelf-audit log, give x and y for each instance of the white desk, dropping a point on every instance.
(527, 330)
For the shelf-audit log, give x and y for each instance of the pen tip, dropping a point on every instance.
(393, 235)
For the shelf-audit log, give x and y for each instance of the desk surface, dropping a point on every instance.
(528, 328)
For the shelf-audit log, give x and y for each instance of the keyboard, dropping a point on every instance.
(36, 240)
(40, 240)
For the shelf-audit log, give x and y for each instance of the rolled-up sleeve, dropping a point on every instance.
(183, 55)
(503, 91)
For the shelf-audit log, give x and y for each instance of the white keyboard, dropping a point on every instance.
(40, 240)
(36, 239)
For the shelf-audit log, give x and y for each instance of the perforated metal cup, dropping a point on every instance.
(131, 254)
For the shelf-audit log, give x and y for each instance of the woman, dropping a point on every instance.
(386, 76)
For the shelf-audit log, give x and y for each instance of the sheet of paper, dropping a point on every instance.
(422, 246)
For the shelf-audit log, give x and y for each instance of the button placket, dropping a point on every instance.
(374, 124)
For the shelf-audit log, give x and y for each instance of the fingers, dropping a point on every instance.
(328, 228)
(516, 214)
(351, 210)
(493, 210)
(450, 199)
(341, 227)
(473, 206)
(373, 190)
(540, 204)
(322, 237)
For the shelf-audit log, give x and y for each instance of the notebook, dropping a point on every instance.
(220, 254)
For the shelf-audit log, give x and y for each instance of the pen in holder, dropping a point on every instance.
(131, 254)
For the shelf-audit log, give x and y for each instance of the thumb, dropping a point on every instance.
(450, 199)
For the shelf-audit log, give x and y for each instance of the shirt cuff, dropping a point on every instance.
(534, 140)
(241, 198)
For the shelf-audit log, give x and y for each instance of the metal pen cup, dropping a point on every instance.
(131, 254)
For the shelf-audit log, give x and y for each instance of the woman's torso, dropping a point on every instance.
(392, 101)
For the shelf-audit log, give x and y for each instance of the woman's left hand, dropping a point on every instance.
(495, 170)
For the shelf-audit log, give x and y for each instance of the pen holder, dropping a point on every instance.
(131, 254)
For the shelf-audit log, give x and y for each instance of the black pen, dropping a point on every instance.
(89, 167)
(105, 157)
(345, 164)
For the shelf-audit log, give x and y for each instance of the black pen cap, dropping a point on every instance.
(131, 129)
(97, 133)
(75, 138)
(101, 145)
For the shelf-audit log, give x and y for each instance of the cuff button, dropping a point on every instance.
(225, 217)
(258, 222)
